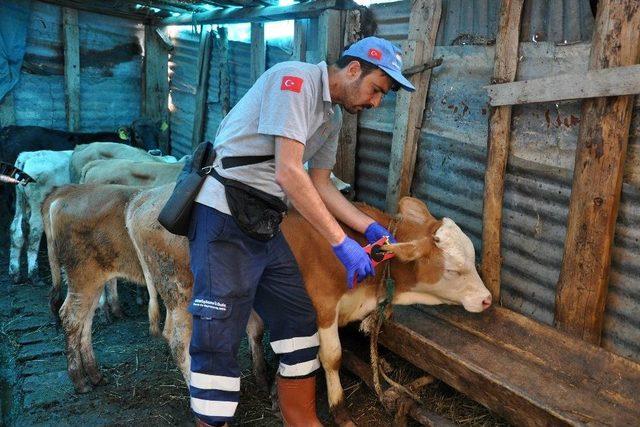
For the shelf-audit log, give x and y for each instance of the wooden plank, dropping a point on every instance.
(258, 51)
(200, 113)
(7, 111)
(506, 63)
(224, 79)
(597, 83)
(528, 372)
(261, 13)
(300, 27)
(345, 167)
(101, 8)
(329, 36)
(597, 179)
(71, 43)
(155, 94)
(417, 49)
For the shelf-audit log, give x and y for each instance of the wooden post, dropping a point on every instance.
(71, 42)
(7, 110)
(258, 51)
(417, 49)
(506, 63)
(224, 79)
(300, 40)
(329, 36)
(346, 155)
(155, 86)
(200, 113)
(597, 178)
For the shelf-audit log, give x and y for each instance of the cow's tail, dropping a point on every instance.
(55, 294)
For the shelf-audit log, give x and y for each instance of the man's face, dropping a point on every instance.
(364, 92)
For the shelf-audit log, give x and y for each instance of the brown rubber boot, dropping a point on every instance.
(297, 399)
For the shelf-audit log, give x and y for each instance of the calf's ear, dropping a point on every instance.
(414, 210)
(409, 251)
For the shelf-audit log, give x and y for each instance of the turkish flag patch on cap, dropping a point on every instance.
(292, 83)
(375, 54)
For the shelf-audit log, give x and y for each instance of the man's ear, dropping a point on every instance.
(353, 69)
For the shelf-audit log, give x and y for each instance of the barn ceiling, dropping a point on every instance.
(155, 10)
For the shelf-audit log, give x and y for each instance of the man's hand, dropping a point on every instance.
(375, 231)
(355, 260)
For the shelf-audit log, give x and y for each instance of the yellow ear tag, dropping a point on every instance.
(164, 126)
(123, 134)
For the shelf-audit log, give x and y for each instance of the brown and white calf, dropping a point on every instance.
(434, 264)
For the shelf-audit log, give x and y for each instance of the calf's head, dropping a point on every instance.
(436, 261)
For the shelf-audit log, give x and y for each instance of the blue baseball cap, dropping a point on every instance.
(382, 53)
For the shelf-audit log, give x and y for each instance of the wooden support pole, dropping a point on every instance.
(155, 98)
(595, 83)
(506, 63)
(7, 110)
(418, 49)
(258, 51)
(224, 79)
(597, 178)
(71, 43)
(346, 156)
(200, 113)
(329, 36)
(300, 40)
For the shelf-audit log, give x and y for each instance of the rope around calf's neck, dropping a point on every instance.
(385, 306)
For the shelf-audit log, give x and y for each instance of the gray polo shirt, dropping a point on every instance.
(292, 100)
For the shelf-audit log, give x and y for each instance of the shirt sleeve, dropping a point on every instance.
(287, 104)
(325, 157)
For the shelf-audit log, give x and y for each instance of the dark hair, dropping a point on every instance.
(366, 67)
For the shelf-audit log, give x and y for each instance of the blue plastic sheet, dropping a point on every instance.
(14, 23)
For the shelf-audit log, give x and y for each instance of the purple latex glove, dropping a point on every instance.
(355, 260)
(375, 232)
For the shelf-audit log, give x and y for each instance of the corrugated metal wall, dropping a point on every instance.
(183, 63)
(110, 75)
(452, 153)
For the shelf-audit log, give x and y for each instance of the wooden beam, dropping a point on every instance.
(224, 79)
(200, 113)
(155, 96)
(527, 372)
(597, 178)
(258, 51)
(329, 36)
(71, 43)
(110, 10)
(260, 13)
(345, 167)
(592, 84)
(7, 111)
(300, 27)
(506, 63)
(417, 49)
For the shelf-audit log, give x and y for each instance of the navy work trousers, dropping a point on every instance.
(234, 273)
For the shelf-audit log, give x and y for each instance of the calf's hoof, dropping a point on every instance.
(99, 379)
(83, 386)
(341, 416)
(117, 312)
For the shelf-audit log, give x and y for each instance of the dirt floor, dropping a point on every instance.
(145, 387)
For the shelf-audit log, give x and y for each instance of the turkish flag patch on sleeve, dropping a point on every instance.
(291, 83)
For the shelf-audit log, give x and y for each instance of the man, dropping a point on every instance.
(291, 112)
